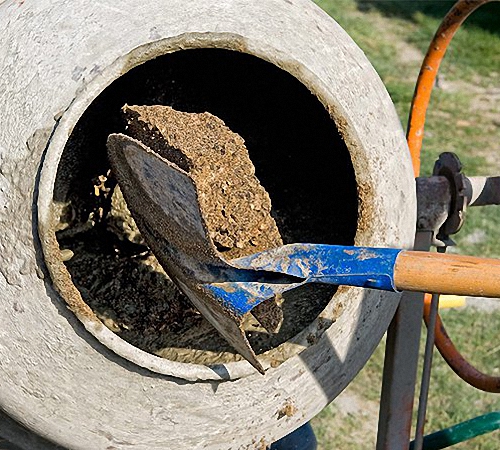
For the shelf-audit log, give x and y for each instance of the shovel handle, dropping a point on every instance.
(447, 274)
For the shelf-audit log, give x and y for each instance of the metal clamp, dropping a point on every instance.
(449, 166)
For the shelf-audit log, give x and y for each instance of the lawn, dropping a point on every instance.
(464, 117)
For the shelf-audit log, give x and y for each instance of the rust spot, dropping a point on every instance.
(288, 409)
(311, 339)
(261, 444)
(366, 208)
(275, 363)
(62, 280)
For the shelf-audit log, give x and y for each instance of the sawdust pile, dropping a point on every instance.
(236, 208)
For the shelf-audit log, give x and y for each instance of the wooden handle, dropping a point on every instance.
(447, 274)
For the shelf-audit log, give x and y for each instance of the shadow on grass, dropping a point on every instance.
(486, 17)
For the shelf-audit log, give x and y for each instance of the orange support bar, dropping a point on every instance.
(425, 83)
(430, 67)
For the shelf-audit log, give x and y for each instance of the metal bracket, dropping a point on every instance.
(449, 166)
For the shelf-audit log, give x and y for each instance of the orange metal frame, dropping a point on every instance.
(425, 83)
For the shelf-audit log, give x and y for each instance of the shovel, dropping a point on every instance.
(164, 203)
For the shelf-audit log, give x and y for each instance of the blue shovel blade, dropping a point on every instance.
(308, 263)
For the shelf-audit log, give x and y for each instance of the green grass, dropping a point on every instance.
(472, 50)
(476, 334)
(454, 123)
(480, 233)
(342, 437)
(451, 400)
